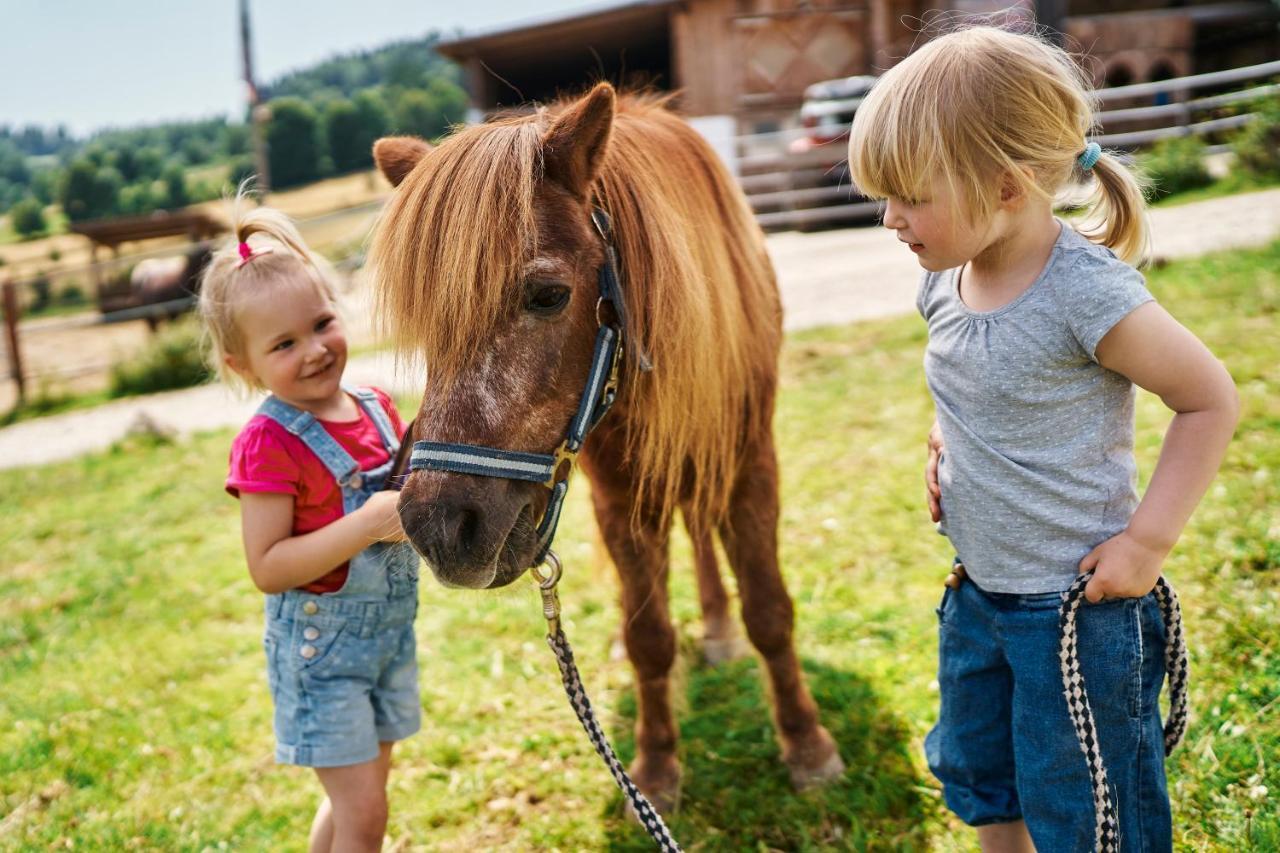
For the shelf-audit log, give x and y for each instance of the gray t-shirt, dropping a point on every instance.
(1038, 467)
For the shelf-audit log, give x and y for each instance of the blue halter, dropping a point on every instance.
(597, 398)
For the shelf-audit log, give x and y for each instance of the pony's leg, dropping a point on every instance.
(640, 554)
(750, 537)
(721, 641)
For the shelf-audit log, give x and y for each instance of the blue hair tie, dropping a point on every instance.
(1089, 156)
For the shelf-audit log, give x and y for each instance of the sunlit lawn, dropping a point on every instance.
(134, 711)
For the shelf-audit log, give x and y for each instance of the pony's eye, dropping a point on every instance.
(547, 299)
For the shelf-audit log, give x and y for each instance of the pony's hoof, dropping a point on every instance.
(661, 789)
(803, 778)
(817, 765)
(718, 650)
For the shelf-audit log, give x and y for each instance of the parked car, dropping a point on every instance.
(812, 189)
(827, 111)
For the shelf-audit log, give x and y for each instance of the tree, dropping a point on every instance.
(44, 184)
(13, 163)
(89, 191)
(375, 121)
(429, 112)
(175, 185)
(27, 217)
(352, 127)
(293, 143)
(342, 128)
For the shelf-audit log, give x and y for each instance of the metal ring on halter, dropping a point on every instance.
(599, 304)
(551, 578)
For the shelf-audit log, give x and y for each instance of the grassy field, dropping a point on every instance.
(134, 712)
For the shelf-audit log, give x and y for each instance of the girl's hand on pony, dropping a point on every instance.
(1123, 567)
(383, 517)
(933, 492)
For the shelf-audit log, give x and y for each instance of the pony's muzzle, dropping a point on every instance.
(469, 531)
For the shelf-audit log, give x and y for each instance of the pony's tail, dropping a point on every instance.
(1117, 210)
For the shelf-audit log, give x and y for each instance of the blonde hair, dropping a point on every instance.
(280, 257)
(979, 104)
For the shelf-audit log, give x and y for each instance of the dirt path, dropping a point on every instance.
(826, 278)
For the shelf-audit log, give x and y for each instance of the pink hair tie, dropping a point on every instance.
(247, 254)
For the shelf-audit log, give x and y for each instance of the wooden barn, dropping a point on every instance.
(752, 59)
(742, 67)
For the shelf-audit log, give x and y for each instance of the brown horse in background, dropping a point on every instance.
(485, 266)
(155, 281)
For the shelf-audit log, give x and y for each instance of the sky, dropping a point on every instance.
(95, 63)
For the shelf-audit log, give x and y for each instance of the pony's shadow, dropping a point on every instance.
(736, 793)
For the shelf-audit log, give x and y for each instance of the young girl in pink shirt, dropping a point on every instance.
(322, 538)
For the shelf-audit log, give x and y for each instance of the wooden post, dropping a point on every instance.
(11, 328)
(258, 113)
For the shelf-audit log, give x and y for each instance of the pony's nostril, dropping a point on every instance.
(462, 528)
(468, 528)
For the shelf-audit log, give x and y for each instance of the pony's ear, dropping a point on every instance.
(397, 155)
(574, 147)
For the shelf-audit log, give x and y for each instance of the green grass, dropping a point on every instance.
(52, 401)
(1234, 182)
(134, 711)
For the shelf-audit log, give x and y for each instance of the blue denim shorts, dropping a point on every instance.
(1004, 747)
(343, 676)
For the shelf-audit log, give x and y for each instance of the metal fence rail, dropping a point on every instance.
(789, 190)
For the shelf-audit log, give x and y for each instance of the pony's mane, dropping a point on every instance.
(700, 291)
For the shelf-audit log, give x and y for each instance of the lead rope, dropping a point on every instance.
(644, 810)
(1106, 826)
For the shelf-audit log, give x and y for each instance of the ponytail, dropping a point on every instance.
(1116, 216)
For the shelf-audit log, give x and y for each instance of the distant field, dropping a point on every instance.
(23, 259)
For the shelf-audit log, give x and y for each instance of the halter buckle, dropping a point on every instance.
(547, 586)
(561, 455)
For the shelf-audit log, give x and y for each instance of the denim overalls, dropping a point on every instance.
(342, 666)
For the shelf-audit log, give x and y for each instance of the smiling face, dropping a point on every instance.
(293, 343)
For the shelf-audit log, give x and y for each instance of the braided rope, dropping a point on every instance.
(1106, 826)
(644, 810)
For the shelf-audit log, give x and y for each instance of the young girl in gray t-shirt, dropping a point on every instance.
(1037, 336)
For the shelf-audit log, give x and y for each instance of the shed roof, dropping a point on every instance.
(123, 229)
(592, 22)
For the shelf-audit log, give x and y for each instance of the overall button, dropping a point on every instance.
(355, 481)
(311, 632)
(310, 608)
(308, 651)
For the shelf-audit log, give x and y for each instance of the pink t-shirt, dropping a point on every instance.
(266, 457)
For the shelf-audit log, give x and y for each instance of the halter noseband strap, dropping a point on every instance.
(597, 398)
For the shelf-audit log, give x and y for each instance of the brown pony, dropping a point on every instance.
(485, 267)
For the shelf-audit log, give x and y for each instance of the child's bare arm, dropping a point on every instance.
(279, 560)
(1157, 353)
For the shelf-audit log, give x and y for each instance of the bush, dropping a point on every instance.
(27, 217)
(173, 359)
(72, 294)
(42, 294)
(1257, 145)
(1176, 165)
